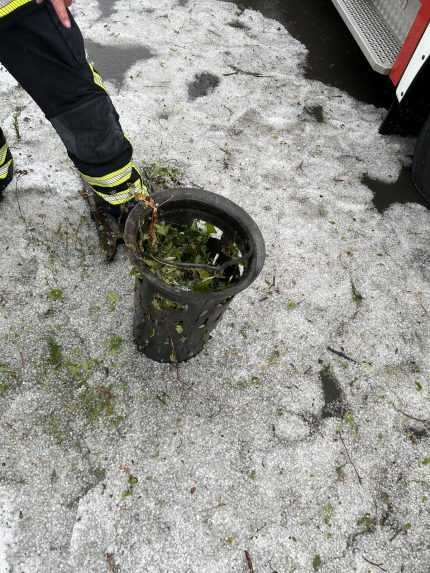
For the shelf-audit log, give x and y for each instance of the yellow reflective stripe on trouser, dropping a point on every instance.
(98, 80)
(137, 188)
(8, 6)
(111, 179)
(3, 153)
(114, 180)
(5, 170)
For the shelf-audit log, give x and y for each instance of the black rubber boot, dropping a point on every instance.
(6, 164)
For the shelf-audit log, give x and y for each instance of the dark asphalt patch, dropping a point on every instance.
(202, 85)
(334, 57)
(334, 398)
(400, 191)
(107, 8)
(316, 111)
(113, 61)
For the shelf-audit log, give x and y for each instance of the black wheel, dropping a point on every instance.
(421, 164)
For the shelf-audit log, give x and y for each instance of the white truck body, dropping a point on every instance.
(394, 35)
(420, 57)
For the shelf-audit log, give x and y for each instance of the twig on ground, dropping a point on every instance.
(228, 109)
(245, 72)
(19, 205)
(341, 354)
(378, 565)
(112, 566)
(249, 562)
(149, 202)
(398, 532)
(360, 481)
(420, 302)
(421, 420)
(214, 33)
(200, 266)
(213, 508)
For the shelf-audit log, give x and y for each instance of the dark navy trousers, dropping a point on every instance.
(50, 63)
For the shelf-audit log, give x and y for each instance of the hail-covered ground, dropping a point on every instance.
(298, 441)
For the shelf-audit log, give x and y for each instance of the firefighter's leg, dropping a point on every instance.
(49, 61)
(6, 164)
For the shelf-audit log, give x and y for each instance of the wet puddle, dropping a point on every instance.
(334, 399)
(401, 191)
(107, 8)
(113, 62)
(202, 85)
(334, 57)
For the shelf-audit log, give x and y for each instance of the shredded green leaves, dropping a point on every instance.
(193, 257)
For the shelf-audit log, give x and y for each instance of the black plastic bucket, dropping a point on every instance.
(172, 324)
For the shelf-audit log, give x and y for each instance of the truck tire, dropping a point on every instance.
(421, 163)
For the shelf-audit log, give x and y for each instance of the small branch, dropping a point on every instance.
(360, 481)
(228, 109)
(245, 72)
(341, 354)
(112, 566)
(149, 202)
(199, 266)
(19, 205)
(393, 537)
(249, 562)
(420, 302)
(411, 417)
(21, 353)
(378, 565)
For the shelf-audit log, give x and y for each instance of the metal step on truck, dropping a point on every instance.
(394, 35)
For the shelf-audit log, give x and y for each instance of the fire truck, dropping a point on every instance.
(394, 35)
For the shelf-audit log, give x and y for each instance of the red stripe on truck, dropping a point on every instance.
(413, 38)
